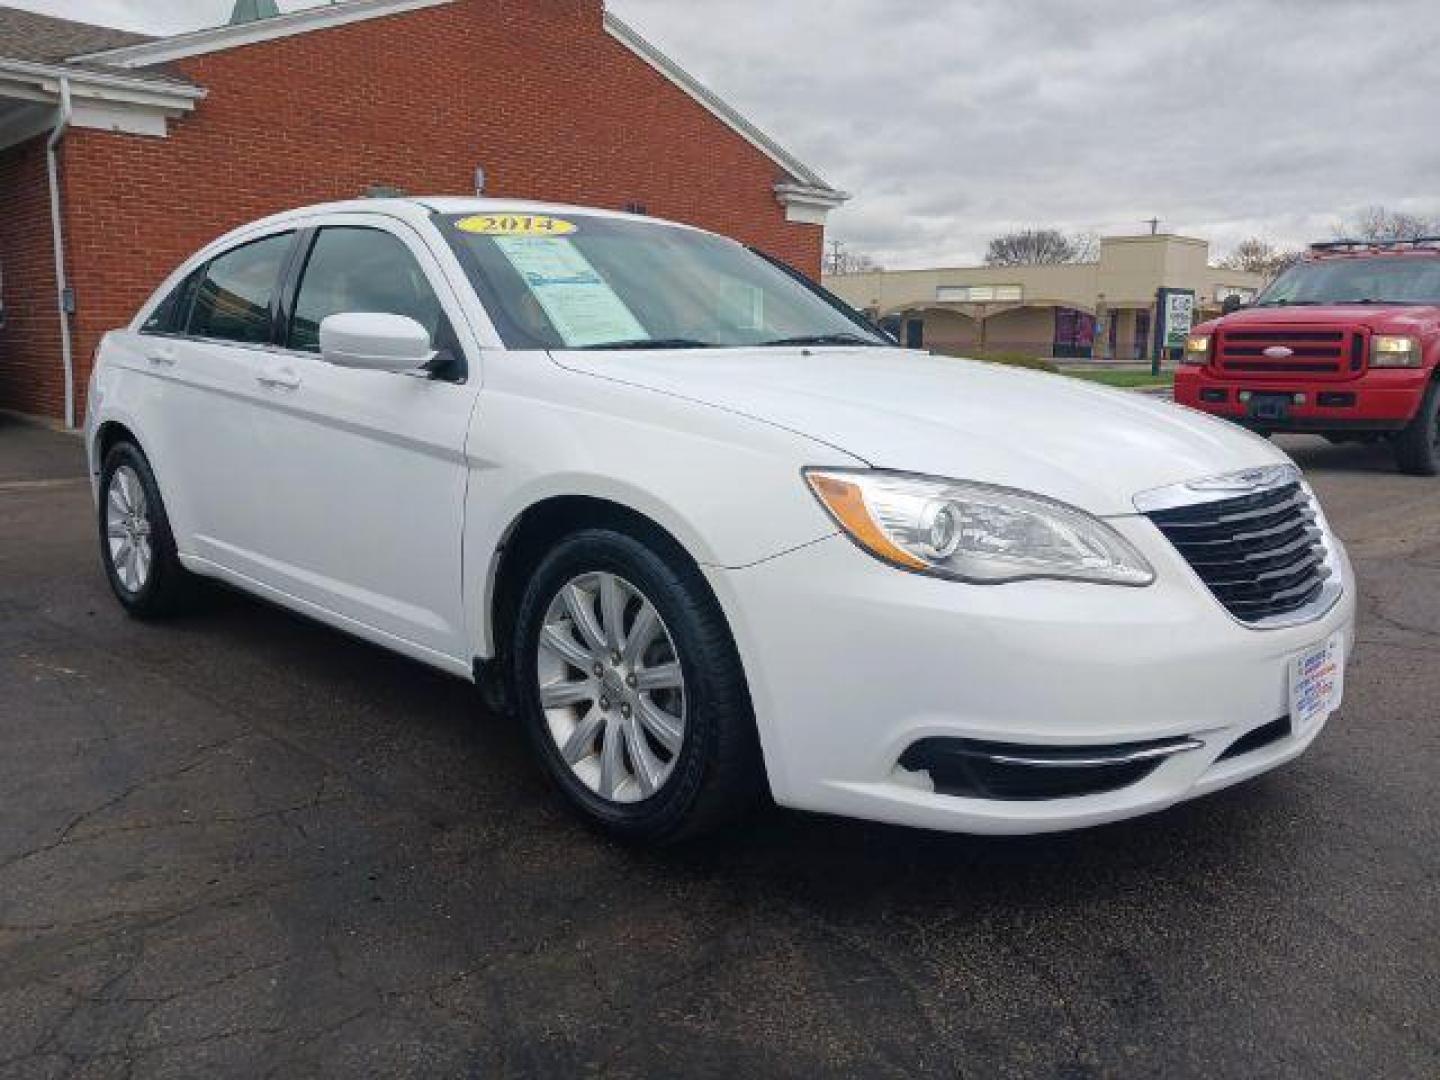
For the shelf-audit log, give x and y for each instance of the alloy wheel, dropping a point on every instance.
(611, 687)
(128, 529)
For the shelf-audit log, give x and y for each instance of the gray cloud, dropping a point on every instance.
(952, 120)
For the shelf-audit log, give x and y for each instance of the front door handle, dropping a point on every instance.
(160, 355)
(279, 379)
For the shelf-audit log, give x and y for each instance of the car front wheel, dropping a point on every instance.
(631, 690)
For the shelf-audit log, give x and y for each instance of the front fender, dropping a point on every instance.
(728, 488)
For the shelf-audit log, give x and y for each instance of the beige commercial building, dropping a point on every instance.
(1102, 310)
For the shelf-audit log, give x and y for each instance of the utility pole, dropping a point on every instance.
(1154, 224)
(837, 256)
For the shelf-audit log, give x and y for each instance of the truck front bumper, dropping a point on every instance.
(1377, 400)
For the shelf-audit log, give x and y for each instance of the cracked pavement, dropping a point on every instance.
(240, 844)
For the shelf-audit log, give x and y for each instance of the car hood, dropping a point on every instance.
(1086, 445)
(1382, 318)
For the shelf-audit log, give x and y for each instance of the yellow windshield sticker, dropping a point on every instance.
(515, 225)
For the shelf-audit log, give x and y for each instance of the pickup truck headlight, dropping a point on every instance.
(1197, 349)
(1387, 350)
(974, 532)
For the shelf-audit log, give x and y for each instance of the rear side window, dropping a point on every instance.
(173, 312)
(357, 269)
(232, 302)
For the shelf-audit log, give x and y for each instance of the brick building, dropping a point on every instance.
(136, 151)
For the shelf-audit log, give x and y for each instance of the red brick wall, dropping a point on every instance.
(31, 379)
(535, 91)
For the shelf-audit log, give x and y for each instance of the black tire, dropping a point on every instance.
(718, 773)
(168, 587)
(1417, 448)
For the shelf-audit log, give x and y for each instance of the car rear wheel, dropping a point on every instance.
(136, 545)
(1417, 448)
(630, 688)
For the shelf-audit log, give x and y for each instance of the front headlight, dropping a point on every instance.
(1197, 349)
(1386, 350)
(974, 532)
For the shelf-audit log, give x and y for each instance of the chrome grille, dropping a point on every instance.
(1326, 354)
(1262, 554)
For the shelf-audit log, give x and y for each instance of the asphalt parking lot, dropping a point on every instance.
(241, 844)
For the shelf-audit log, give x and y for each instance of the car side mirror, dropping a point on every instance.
(1231, 304)
(374, 341)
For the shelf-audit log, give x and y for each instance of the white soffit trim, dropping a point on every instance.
(116, 86)
(804, 177)
(108, 101)
(219, 38)
(808, 205)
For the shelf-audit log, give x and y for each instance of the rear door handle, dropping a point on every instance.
(281, 378)
(161, 355)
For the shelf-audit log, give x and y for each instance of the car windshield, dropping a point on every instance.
(577, 281)
(1384, 279)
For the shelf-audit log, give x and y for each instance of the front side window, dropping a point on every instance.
(585, 282)
(232, 302)
(363, 270)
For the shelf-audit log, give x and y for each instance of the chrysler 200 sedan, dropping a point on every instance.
(712, 532)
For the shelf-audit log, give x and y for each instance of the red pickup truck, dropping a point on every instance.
(1345, 344)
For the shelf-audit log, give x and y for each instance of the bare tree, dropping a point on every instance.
(1087, 247)
(1032, 247)
(1256, 256)
(839, 260)
(1380, 223)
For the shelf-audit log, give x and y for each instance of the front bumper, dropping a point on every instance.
(851, 663)
(1379, 400)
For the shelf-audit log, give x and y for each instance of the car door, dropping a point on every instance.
(361, 475)
(202, 348)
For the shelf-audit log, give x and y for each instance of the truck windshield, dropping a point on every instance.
(1384, 279)
(577, 281)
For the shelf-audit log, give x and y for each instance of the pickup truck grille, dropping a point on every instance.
(1262, 555)
(1324, 354)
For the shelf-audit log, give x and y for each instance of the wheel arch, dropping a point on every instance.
(108, 434)
(535, 530)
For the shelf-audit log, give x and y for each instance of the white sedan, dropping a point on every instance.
(711, 531)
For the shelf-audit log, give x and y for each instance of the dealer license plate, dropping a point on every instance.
(1270, 407)
(1317, 681)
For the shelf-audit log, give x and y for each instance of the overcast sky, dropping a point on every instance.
(953, 120)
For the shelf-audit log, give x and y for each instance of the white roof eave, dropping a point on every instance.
(87, 82)
(218, 38)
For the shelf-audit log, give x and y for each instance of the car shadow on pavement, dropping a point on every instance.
(427, 742)
(431, 711)
(1311, 452)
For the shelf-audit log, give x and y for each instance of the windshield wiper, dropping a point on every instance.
(651, 343)
(821, 339)
(1373, 300)
(1290, 303)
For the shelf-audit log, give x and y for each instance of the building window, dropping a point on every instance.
(1142, 334)
(980, 294)
(1074, 334)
